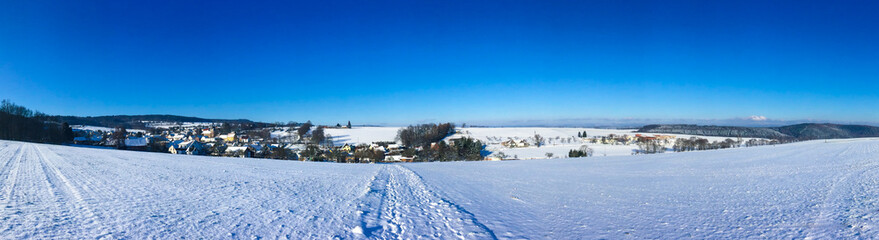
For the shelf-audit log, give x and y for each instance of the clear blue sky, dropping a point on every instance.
(400, 62)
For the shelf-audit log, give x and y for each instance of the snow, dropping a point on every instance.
(235, 149)
(558, 140)
(136, 141)
(362, 135)
(167, 125)
(105, 129)
(814, 190)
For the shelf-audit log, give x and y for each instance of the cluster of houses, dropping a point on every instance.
(204, 140)
(513, 143)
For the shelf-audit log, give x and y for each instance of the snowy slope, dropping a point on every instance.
(811, 190)
(64, 192)
(805, 190)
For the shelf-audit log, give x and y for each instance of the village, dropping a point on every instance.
(307, 142)
(211, 139)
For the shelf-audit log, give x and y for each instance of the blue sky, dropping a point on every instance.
(401, 62)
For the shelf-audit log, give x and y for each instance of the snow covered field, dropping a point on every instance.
(362, 135)
(105, 129)
(558, 140)
(812, 190)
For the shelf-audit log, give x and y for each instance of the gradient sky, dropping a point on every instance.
(400, 62)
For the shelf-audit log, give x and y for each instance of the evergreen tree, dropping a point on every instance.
(68, 132)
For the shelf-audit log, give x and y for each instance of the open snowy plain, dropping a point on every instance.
(558, 140)
(813, 190)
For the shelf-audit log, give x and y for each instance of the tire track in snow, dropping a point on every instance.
(13, 168)
(398, 205)
(67, 191)
(34, 211)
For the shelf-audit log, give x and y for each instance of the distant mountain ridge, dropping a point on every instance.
(137, 121)
(805, 131)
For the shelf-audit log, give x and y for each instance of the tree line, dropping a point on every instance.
(425, 143)
(425, 134)
(22, 124)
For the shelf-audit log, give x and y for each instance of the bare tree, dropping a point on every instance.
(119, 136)
(538, 140)
(304, 129)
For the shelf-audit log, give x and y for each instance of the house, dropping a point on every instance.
(176, 136)
(378, 148)
(515, 143)
(395, 149)
(88, 140)
(187, 147)
(240, 151)
(451, 140)
(296, 147)
(137, 143)
(87, 137)
(257, 147)
(399, 158)
(228, 137)
(207, 132)
(645, 138)
(347, 148)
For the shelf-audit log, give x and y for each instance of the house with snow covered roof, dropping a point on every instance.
(137, 143)
(240, 151)
(512, 143)
(187, 147)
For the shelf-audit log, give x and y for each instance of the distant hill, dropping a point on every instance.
(823, 131)
(803, 131)
(137, 121)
